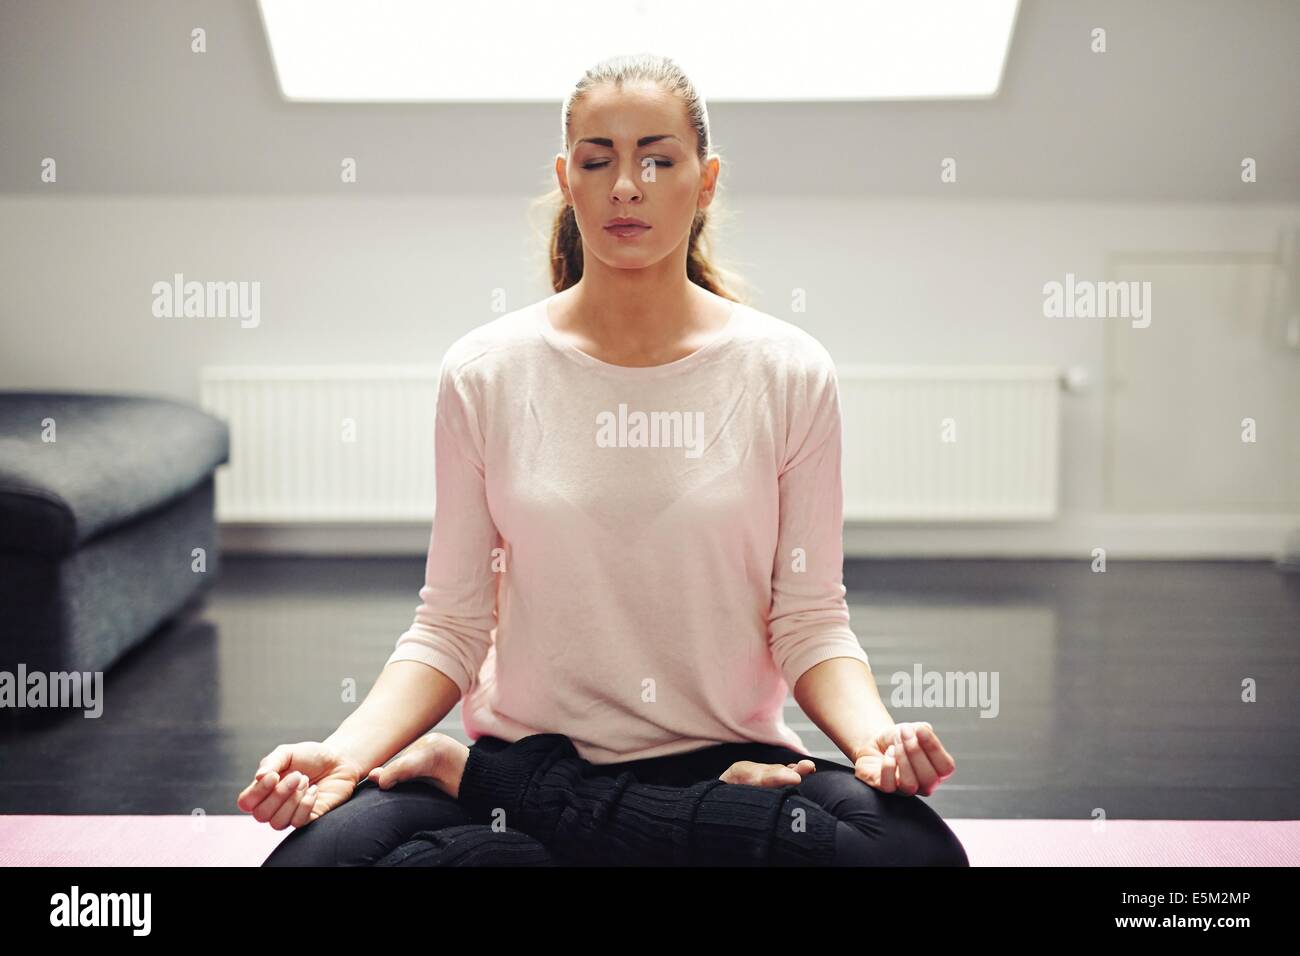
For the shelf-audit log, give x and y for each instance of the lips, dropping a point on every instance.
(626, 227)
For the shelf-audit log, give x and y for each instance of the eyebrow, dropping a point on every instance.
(643, 141)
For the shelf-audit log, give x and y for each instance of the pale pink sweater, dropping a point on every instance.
(644, 584)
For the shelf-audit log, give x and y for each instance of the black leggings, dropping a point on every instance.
(626, 813)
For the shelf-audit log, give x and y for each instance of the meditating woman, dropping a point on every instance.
(635, 556)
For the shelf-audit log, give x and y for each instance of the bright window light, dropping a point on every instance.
(734, 50)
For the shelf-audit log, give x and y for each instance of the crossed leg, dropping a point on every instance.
(411, 824)
(875, 828)
(539, 785)
(561, 809)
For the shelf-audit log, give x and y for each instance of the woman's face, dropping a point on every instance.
(632, 156)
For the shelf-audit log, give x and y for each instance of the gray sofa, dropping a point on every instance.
(99, 528)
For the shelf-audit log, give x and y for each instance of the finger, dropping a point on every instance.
(283, 790)
(889, 771)
(906, 776)
(278, 760)
(256, 792)
(878, 771)
(304, 814)
(940, 759)
(926, 778)
(265, 811)
(290, 806)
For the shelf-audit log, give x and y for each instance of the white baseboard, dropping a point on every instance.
(342, 539)
(1124, 537)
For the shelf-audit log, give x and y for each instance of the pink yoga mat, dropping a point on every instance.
(239, 840)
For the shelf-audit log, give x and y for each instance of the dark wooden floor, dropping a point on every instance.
(1120, 691)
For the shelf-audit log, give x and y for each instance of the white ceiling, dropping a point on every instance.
(1186, 89)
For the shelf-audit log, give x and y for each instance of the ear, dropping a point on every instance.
(709, 180)
(562, 177)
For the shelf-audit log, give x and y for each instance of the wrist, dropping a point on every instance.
(348, 755)
(869, 741)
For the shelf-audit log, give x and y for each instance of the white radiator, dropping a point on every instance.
(960, 443)
(355, 443)
(325, 443)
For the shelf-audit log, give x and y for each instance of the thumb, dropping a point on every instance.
(865, 768)
(877, 770)
(277, 760)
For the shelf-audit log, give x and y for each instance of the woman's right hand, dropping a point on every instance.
(298, 783)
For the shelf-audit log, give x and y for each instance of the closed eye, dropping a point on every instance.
(598, 164)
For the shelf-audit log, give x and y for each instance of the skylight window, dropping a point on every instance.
(384, 51)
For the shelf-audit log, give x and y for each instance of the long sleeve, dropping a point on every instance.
(670, 554)
(453, 623)
(809, 618)
(546, 790)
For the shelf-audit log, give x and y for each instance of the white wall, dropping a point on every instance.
(396, 278)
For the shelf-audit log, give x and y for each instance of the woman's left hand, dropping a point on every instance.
(905, 758)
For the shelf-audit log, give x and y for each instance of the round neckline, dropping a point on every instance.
(541, 314)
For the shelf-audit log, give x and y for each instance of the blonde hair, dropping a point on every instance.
(565, 253)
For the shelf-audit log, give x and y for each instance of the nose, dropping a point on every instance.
(625, 189)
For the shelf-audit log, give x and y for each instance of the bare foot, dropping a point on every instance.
(767, 774)
(435, 757)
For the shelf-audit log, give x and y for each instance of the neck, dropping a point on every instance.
(635, 308)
